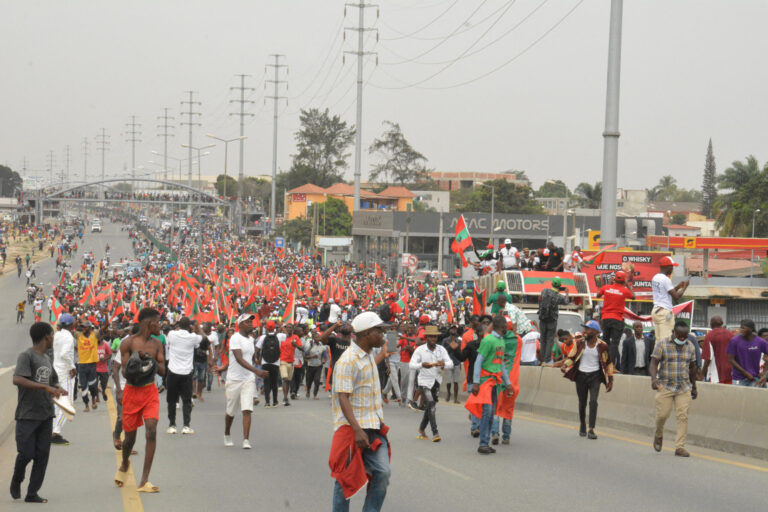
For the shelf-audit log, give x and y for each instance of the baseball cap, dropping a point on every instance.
(592, 324)
(330, 301)
(424, 319)
(666, 261)
(244, 317)
(501, 285)
(620, 276)
(556, 282)
(507, 241)
(66, 319)
(489, 246)
(271, 325)
(365, 321)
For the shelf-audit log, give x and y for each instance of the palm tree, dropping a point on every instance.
(747, 185)
(589, 196)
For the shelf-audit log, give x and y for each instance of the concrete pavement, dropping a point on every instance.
(547, 465)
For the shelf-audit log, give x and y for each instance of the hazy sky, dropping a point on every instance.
(691, 70)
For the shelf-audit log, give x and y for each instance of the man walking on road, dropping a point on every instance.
(87, 359)
(240, 386)
(430, 359)
(360, 450)
(64, 365)
(38, 384)
(182, 343)
(673, 376)
(664, 296)
(549, 309)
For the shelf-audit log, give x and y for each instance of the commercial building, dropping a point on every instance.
(468, 179)
(299, 199)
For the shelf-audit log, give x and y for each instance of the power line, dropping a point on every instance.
(338, 32)
(242, 115)
(51, 163)
(497, 68)
(165, 135)
(67, 159)
(132, 136)
(102, 144)
(85, 158)
(192, 122)
(407, 36)
(276, 67)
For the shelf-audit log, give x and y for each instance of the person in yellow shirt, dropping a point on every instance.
(88, 358)
(20, 311)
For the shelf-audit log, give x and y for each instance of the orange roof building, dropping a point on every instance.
(299, 199)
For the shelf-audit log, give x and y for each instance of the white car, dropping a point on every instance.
(96, 228)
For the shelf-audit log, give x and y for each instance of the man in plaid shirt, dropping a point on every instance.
(673, 376)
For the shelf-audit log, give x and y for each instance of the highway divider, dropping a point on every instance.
(8, 399)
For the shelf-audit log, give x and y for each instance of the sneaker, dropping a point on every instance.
(161, 388)
(172, 430)
(485, 450)
(682, 452)
(228, 441)
(187, 430)
(413, 406)
(267, 406)
(591, 435)
(475, 433)
(57, 439)
(286, 403)
(505, 441)
(246, 444)
(495, 439)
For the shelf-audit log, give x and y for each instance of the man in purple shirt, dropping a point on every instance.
(744, 353)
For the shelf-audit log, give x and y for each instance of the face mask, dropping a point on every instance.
(680, 342)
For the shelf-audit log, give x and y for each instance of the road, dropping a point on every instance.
(547, 465)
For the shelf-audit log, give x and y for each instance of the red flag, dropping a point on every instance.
(462, 240)
(290, 310)
(478, 302)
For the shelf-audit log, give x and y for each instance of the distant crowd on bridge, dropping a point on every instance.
(165, 196)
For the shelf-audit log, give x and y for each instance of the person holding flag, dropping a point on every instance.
(506, 406)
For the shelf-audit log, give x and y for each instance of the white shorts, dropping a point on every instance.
(242, 391)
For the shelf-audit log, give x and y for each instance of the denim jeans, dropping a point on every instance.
(506, 427)
(475, 423)
(487, 419)
(377, 466)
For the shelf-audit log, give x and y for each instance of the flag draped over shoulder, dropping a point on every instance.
(462, 240)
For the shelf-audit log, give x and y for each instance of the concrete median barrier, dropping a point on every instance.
(8, 399)
(724, 417)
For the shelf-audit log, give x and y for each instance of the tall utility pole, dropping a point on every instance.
(102, 144)
(191, 122)
(51, 162)
(132, 135)
(85, 159)
(66, 159)
(611, 133)
(275, 97)
(361, 53)
(242, 114)
(165, 127)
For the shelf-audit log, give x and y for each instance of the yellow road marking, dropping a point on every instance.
(644, 443)
(131, 498)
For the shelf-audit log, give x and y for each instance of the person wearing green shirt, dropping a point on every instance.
(510, 351)
(493, 300)
(490, 364)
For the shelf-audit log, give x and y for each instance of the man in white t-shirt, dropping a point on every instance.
(241, 379)
(302, 313)
(509, 255)
(335, 312)
(181, 344)
(213, 337)
(664, 296)
(64, 366)
(528, 353)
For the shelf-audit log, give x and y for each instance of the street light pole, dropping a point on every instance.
(198, 149)
(226, 146)
(752, 257)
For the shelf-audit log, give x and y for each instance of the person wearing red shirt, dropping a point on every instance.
(614, 297)
(715, 345)
(287, 355)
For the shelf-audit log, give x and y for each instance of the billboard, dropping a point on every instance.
(640, 267)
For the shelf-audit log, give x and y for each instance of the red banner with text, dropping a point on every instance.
(640, 267)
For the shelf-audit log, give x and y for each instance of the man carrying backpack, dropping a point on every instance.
(268, 347)
(549, 307)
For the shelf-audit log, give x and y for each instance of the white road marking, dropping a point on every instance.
(443, 468)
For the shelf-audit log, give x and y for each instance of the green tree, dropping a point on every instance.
(709, 184)
(679, 218)
(333, 217)
(746, 190)
(297, 230)
(553, 188)
(10, 181)
(322, 143)
(590, 196)
(231, 185)
(401, 163)
(459, 198)
(509, 198)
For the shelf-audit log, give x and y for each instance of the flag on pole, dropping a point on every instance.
(478, 302)
(462, 241)
(56, 311)
(449, 313)
(598, 258)
(290, 310)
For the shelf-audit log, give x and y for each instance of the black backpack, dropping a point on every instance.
(270, 349)
(548, 308)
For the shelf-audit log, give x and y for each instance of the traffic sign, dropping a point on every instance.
(279, 242)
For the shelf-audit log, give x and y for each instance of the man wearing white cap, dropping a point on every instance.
(358, 418)
(664, 296)
(64, 365)
(241, 380)
(509, 256)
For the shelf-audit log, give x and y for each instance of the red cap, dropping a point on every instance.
(424, 319)
(620, 276)
(490, 246)
(666, 261)
(271, 325)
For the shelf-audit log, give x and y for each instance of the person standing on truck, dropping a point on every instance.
(614, 297)
(493, 300)
(509, 257)
(549, 308)
(664, 295)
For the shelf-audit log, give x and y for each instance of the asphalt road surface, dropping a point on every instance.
(547, 466)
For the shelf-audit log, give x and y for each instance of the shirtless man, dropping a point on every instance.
(141, 403)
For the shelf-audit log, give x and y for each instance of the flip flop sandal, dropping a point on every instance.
(148, 488)
(120, 477)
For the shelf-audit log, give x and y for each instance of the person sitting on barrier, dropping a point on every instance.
(589, 366)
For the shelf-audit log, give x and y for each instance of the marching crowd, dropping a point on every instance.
(273, 326)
